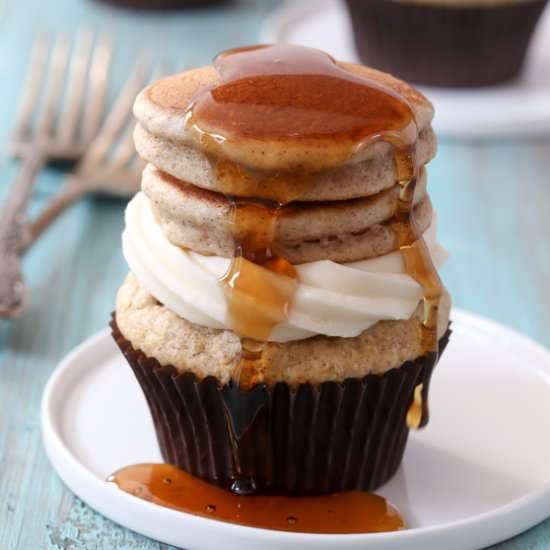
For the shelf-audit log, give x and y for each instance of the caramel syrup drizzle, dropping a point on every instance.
(419, 266)
(288, 94)
(416, 413)
(349, 512)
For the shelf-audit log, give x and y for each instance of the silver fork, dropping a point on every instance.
(59, 129)
(111, 164)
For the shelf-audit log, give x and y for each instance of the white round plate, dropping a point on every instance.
(518, 109)
(478, 474)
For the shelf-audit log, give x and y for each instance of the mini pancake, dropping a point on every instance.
(359, 179)
(342, 231)
(162, 110)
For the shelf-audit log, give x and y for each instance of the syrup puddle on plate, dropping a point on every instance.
(346, 512)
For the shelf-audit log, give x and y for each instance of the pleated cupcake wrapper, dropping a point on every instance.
(282, 440)
(444, 45)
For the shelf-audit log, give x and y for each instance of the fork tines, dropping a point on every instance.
(64, 95)
(112, 153)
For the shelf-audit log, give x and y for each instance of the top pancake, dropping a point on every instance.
(161, 111)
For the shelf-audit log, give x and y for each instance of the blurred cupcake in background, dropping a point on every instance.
(445, 42)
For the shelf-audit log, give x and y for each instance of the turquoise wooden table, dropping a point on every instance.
(493, 201)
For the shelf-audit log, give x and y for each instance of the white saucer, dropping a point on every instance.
(479, 473)
(518, 109)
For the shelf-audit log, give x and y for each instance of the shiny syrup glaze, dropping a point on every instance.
(291, 94)
(286, 93)
(416, 412)
(350, 512)
(419, 266)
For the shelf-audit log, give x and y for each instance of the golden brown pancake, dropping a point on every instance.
(353, 180)
(203, 221)
(161, 110)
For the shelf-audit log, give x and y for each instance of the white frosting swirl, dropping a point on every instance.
(332, 299)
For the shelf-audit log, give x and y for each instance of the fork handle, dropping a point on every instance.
(14, 232)
(71, 191)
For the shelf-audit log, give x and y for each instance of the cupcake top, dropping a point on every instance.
(330, 298)
(161, 333)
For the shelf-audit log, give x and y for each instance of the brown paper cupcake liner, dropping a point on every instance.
(282, 440)
(442, 44)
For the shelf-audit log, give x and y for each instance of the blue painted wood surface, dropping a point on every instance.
(494, 209)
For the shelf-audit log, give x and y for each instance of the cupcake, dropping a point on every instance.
(445, 42)
(283, 312)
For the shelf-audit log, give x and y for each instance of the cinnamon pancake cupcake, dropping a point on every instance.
(445, 42)
(283, 312)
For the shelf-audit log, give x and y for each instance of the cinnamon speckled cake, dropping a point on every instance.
(283, 312)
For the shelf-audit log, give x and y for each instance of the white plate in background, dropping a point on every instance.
(478, 474)
(518, 109)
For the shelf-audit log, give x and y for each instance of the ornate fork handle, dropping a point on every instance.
(14, 235)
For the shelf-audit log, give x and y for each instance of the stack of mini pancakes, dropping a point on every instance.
(355, 315)
(340, 217)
